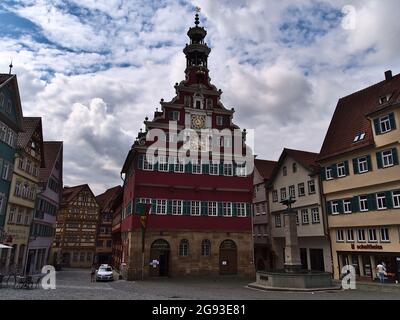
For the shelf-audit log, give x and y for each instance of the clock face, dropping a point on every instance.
(198, 122)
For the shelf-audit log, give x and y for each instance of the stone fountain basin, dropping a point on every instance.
(302, 280)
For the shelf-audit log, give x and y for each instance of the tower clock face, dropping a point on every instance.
(198, 122)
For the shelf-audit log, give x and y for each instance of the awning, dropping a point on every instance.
(3, 246)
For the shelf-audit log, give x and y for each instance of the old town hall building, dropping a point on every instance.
(200, 218)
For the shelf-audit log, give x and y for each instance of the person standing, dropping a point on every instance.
(93, 274)
(381, 270)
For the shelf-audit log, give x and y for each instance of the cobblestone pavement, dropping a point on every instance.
(76, 285)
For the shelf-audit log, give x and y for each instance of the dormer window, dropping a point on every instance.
(385, 124)
(359, 137)
(384, 99)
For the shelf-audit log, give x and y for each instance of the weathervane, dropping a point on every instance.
(198, 9)
(196, 19)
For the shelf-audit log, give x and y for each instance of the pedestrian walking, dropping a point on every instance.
(381, 270)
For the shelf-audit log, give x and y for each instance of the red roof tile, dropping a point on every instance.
(29, 125)
(305, 158)
(104, 200)
(4, 77)
(69, 193)
(265, 167)
(51, 149)
(350, 118)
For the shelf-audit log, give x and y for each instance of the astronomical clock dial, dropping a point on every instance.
(198, 122)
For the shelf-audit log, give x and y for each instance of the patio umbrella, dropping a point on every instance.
(3, 246)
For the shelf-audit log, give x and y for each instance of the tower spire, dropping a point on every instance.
(11, 66)
(197, 52)
(196, 17)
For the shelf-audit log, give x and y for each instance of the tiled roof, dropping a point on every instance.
(104, 200)
(51, 149)
(350, 118)
(265, 167)
(4, 77)
(70, 193)
(305, 158)
(29, 125)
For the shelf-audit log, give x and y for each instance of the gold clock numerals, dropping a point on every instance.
(198, 122)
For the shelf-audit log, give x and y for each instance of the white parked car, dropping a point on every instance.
(105, 273)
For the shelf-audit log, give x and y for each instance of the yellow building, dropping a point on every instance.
(361, 180)
(24, 187)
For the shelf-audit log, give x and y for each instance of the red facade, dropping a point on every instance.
(205, 198)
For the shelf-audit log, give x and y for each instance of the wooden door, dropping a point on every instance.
(228, 258)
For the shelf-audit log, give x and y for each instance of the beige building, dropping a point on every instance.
(297, 175)
(361, 180)
(261, 217)
(23, 191)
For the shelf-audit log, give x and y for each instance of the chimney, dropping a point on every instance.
(388, 75)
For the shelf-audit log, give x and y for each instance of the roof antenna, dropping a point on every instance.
(11, 66)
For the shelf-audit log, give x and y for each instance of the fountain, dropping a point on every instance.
(293, 277)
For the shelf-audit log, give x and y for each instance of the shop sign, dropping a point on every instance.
(366, 247)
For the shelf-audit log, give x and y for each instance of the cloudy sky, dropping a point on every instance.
(93, 69)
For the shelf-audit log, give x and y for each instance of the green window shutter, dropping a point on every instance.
(379, 160)
(340, 206)
(355, 204)
(392, 121)
(171, 166)
(136, 201)
(249, 210)
(234, 166)
(204, 208)
(153, 206)
(355, 166)
(186, 208)
(369, 163)
(221, 168)
(346, 168)
(389, 200)
(169, 207)
(377, 126)
(395, 156)
(205, 168)
(156, 165)
(371, 199)
(188, 167)
(220, 214)
(334, 170)
(141, 162)
(234, 209)
(328, 207)
(323, 175)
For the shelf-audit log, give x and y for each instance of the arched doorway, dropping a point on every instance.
(159, 258)
(228, 258)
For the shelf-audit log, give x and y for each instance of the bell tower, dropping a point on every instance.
(196, 54)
